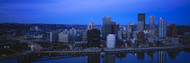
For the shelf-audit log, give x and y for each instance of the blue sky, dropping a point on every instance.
(83, 11)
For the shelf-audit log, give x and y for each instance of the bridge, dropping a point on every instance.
(32, 44)
(98, 51)
(130, 50)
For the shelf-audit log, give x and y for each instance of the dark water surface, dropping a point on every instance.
(140, 57)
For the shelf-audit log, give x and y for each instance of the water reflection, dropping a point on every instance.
(93, 58)
(150, 57)
(161, 57)
(110, 58)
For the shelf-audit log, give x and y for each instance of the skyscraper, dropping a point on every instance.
(152, 25)
(113, 25)
(90, 26)
(54, 36)
(63, 37)
(114, 28)
(141, 22)
(111, 40)
(93, 38)
(106, 27)
(120, 34)
(129, 31)
(162, 27)
(173, 30)
(72, 34)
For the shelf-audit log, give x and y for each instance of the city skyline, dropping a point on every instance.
(94, 31)
(81, 12)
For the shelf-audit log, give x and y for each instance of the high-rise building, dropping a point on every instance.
(173, 30)
(141, 22)
(114, 28)
(90, 26)
(162, 27)
(140, 37)
(84, 35)
(152, 25)
(113, 24)
(54, 36)
(111, 40)
(72, 34)
(120, 34)
(93, 38)
(79, 35)
(106, 27)
(63, 37)
(66, 31)
(36, 28)
(129, 31)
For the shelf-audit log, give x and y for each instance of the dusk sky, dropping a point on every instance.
(83, 11)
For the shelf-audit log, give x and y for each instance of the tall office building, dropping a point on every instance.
(162, 27)
(93, 38)
(111, 40)
(114, 28)
(90, 26)
(54, 36)
(173, 30)
(36, 28)
(66, 31)
(72, 34)
(84, 35)
(120, 34)
(63, 37)
(106, 27)
(152, 25)
(141, 22)
(129, 31)
(113, 25)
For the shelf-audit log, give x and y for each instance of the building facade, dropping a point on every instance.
(173, 30)
(93, 38)
(90, 26)
(72, 34)
(111, 40)
(152, 25)
(63, 37)
(106, 27)
(54, 36)
(162, 28)
(141, 22)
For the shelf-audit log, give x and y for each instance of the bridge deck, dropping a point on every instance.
(110, 50)
(93, 51)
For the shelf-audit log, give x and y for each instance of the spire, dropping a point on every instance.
(90, 25)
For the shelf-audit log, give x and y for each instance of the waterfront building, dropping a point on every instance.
(152, 25)
(93, 38)
(90, 26)
(162, 27)
(129, 31)
(63, 37)
(72, 34)
(106, 27)
(141, 22)
(111, 40)
(54, 36)
(173, 30)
